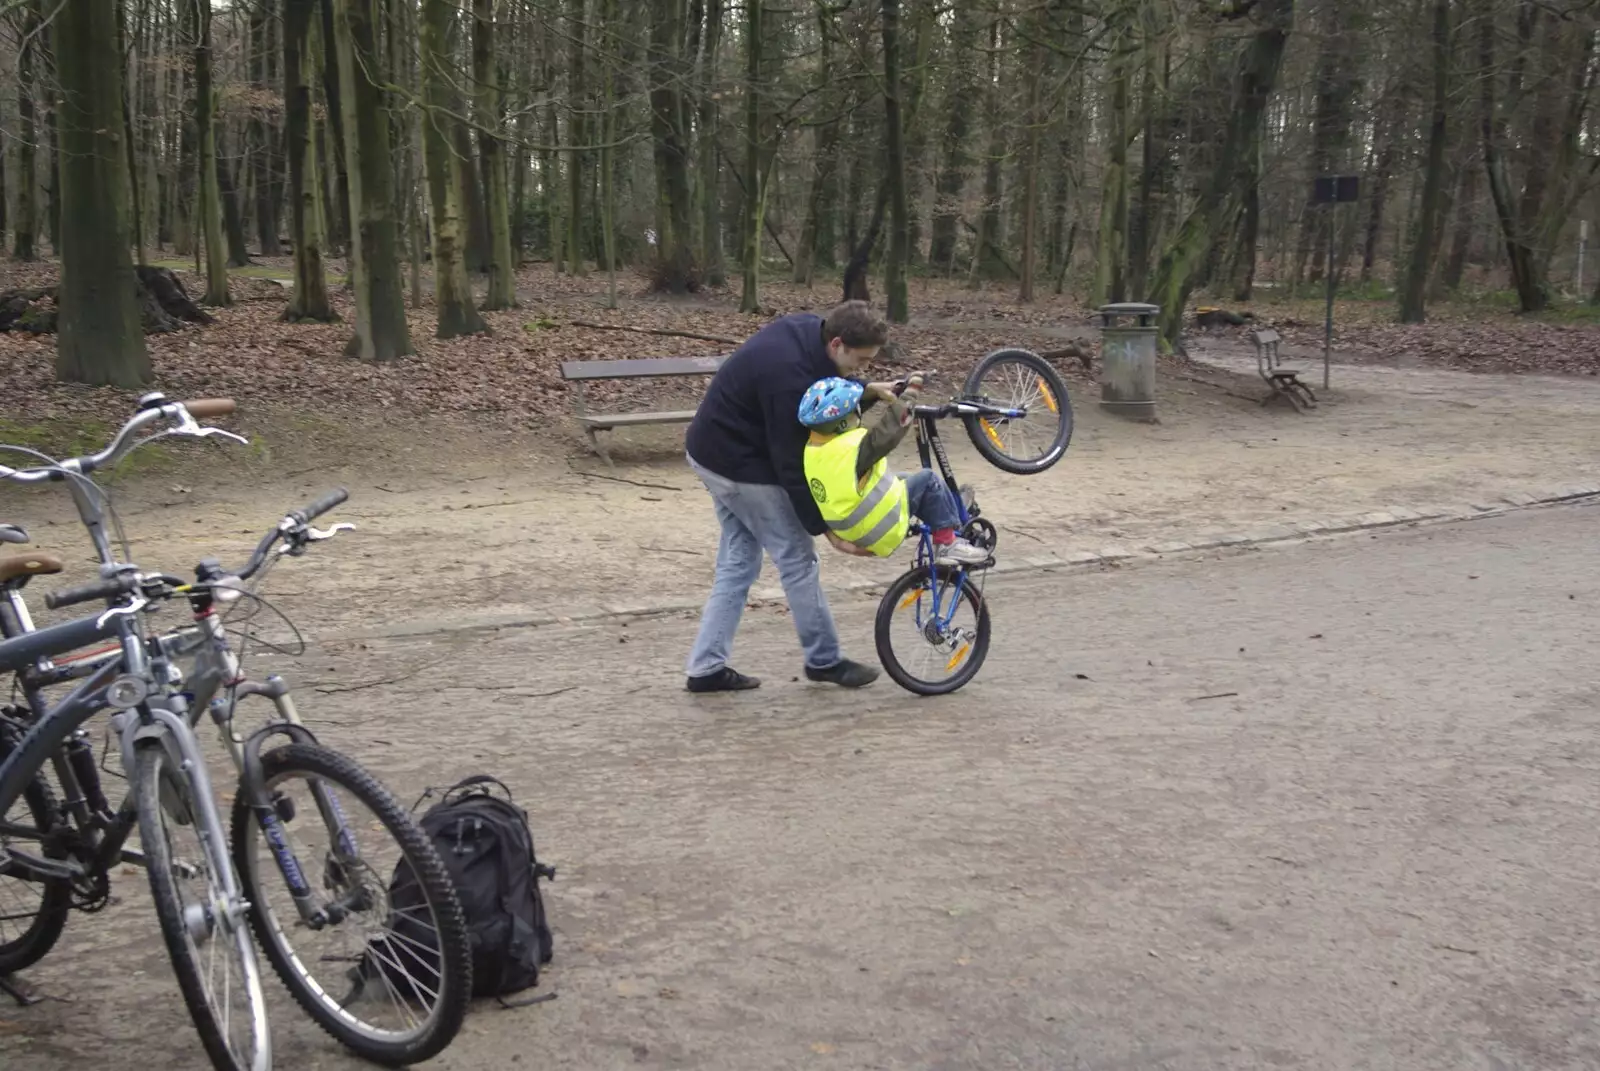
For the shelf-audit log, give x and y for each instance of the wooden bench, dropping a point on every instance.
(580, 372)
(1285, 382)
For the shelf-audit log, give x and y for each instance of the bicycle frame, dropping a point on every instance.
(930, 448)
(214, 669)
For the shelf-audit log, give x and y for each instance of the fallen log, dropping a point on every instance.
(164, 305)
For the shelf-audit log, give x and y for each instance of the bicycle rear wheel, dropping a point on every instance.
(1018, 379)
(389, 980)
(204, 927)
(32, 913)
(932, 630)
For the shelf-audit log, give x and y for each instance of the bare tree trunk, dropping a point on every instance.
(1455, 266)
(895, 266)
(674, 232)
(1259, 63)
(1111, 257)
(710, 119)
(608, 134)
(825, 161)
(382, 333)
(956, 159)
(309, 301)
(338, 205)
(488, 100)
(210, 207)
(100, 337)
(27, 225)
(452, 293)
(755, 181)
(986, 259)
(259, 135)
(1414, 289)
(576, 134)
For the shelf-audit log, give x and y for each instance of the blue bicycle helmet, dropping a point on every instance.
(828, 401)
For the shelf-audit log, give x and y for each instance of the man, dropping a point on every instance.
(748, 448)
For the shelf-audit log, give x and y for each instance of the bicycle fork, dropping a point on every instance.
(269, 811)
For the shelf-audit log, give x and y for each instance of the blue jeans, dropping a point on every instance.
(930, 500)
(757, 517)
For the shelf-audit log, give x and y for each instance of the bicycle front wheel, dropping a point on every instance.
(204, 927)
(383, 962)
(932, 630)
(1018, 379)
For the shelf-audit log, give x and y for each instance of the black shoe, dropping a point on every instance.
(723, 680)
(846, 674)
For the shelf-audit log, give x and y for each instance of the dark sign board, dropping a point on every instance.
(1336, 189)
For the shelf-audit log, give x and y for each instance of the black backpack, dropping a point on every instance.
(484, 841)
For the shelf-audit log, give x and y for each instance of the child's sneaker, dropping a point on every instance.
(959, 552)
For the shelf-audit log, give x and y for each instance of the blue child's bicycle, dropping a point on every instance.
(932, 628)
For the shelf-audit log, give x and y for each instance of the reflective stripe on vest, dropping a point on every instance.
(876, 519)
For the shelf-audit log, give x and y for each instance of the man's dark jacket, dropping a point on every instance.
(748, 428)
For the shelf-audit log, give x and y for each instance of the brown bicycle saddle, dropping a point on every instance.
(23, 565)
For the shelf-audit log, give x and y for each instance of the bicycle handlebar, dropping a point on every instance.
(97, 591)
(333, 498)
(293, 524)
(153, 407)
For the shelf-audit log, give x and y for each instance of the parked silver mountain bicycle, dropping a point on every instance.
(332, 834)
(199, 903)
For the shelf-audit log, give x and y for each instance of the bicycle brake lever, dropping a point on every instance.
(206, 433)
(191, 427)
(316, 535)
(139, 603)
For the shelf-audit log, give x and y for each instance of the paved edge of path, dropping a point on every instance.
(1110, 554)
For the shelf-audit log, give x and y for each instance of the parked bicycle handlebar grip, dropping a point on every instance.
(210, 407)
(98, 591)
(320, 506)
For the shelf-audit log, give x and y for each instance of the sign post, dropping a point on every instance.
(1583, 240)
(1331, 190)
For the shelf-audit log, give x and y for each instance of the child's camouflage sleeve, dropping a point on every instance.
(889, 425)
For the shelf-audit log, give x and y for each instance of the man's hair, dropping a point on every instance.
(856, 325)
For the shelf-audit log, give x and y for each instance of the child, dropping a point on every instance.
(847, 470)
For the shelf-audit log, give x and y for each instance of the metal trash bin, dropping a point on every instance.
(1129, 334)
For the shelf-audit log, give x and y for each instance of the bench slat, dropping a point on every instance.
(641, 368)
(623, 420)
(1265, 336)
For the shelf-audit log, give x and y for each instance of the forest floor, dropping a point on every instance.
(469, 450)
(480, 507)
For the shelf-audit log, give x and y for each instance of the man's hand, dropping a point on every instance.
(883, 392)
(847, 547)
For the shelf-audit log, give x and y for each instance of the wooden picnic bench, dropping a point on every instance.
(1285, 382)
(580, 372)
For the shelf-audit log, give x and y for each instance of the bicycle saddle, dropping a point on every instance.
(13, 533)
(21, 566)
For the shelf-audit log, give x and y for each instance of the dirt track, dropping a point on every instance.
(1379, 853)
(460, 526)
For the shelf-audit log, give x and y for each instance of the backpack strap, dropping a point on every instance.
(475, 781)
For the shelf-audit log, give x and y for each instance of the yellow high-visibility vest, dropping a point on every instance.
(871, 512)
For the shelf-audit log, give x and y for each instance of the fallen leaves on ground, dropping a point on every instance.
(512, 377)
